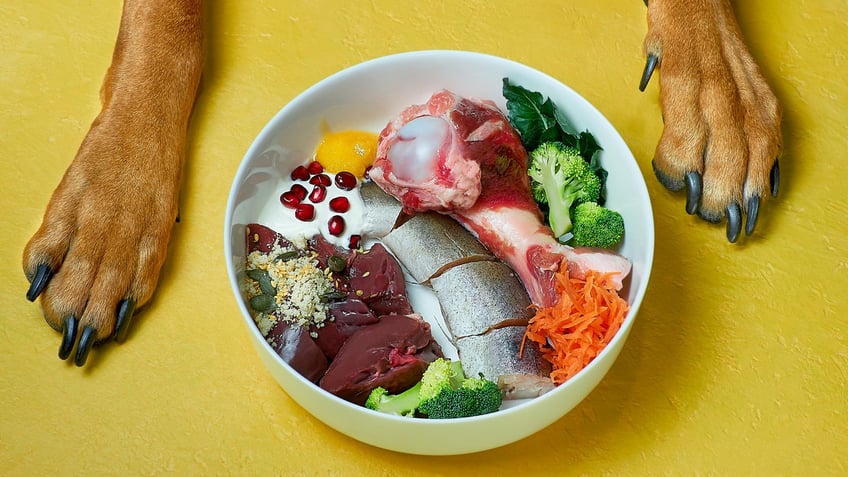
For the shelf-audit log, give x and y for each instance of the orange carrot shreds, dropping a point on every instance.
(576, 329)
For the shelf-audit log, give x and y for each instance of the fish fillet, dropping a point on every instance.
(381, 210)
(429, 243)
(496, 353)
(479, 295)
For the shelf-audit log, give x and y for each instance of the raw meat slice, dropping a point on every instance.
(393, 353)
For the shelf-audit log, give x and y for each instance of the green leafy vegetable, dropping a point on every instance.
(531, 114)
(538, 120)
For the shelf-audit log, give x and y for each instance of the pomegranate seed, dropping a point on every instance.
(318, 194)
(305, 212)
(339, 204)
(290, 199)
(367, 174)
(299, 191)
(345, 180)
(300, 173)
(315, 167)
(354, 241)
(336, 225)
(321, 180)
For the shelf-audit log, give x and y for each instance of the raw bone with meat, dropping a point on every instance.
(461, 157)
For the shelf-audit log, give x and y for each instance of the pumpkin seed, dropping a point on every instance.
(262, 303)
(336, 263)
(264, 280)
(332, 296)
(286, 256)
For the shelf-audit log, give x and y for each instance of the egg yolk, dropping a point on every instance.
(351, 151)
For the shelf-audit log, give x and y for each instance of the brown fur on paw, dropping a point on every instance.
(106, 228)
(105, 233)
(721, 119)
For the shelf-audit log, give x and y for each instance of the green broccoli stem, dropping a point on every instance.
(559, 207)
(559, 218)
(402, 404)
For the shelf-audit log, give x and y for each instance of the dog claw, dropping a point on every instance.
(693, 192)
(84, 346)
(774, 178)
(39, 282)
(650, 65)
(734, 222)
(753, 212)
(69, 335)
(126, 308)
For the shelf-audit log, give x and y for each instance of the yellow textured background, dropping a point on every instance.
(738, 361)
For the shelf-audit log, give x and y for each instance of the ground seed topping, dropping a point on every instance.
(287, 284)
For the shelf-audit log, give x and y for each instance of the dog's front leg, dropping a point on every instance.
(722, 135)
(104, 236)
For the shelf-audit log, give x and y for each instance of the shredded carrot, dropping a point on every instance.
(576, 329)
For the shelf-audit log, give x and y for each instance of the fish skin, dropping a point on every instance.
(447, 244)
(487, 323)
(382, 211)
(496, 353)
(478, 295)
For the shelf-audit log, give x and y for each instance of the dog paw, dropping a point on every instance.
(721, 138)
(104, 236)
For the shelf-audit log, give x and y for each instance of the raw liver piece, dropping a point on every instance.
(392, 353)
(376, 278)
(298, 349)
(348, 316)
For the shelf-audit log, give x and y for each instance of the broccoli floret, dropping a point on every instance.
(596, 226)
(443, 393)
(446, 393)
(441, 374)
(402, 404)
(561, 178)
(474, 397)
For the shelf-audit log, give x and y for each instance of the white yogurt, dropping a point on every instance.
(281, 219)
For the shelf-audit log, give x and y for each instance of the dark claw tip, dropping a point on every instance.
(753, 212)
(734, 222)
(85, 342)
(39, 282)
(650, 65)
(126, 308)
(69, 335)
(774, 178)
(693, 192)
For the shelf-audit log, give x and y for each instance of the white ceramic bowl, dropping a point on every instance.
(366, 96)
